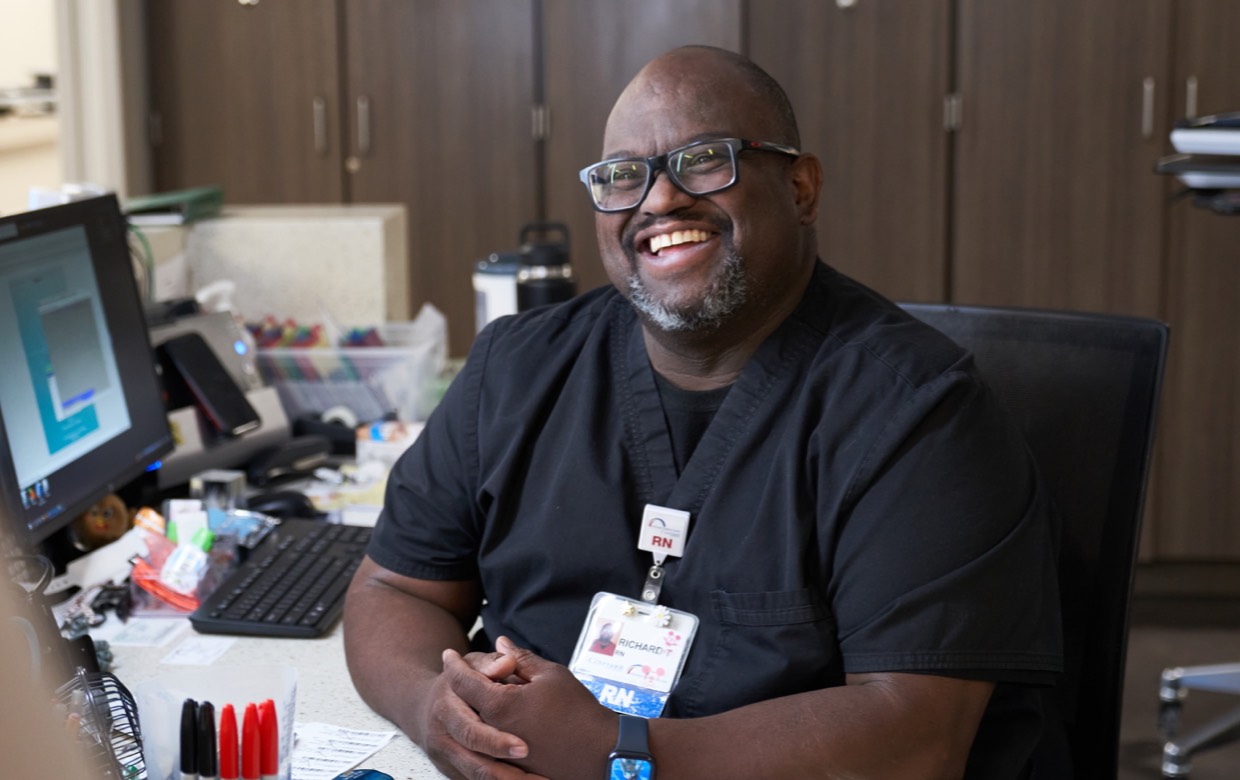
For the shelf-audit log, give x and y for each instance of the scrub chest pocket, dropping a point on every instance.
(756, 646)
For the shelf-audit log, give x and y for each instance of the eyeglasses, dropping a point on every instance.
(697, 169)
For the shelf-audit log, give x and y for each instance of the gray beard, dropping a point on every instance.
(722, 300)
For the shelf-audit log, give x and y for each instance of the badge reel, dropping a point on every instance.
(631, 652)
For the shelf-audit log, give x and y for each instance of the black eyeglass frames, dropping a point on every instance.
(699, 168)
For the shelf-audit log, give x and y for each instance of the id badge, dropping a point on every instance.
(630, 654)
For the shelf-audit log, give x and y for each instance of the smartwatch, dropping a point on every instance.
(631, 760)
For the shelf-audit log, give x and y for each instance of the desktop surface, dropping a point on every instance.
(325, 693)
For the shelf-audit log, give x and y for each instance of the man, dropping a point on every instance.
(866, 573)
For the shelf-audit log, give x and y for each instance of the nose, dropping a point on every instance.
(665, 197)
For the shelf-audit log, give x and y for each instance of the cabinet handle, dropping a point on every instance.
(1190, 97)
(1147, 108)
(363, 126)
(320, 125)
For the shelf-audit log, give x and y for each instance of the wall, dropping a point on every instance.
(28, 146)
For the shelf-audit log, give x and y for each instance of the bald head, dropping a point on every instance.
(708, 82)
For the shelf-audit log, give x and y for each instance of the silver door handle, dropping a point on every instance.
(319, 106)
(363, 125)
(1147, 108)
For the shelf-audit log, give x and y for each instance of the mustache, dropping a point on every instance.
(628, 239)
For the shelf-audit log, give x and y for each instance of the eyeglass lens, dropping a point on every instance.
(698, 169)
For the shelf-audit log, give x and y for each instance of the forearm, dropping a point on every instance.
(394, 645)
(860, 730)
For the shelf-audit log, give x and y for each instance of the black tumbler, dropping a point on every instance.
(545, 274)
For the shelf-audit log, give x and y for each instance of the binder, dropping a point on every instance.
(177, 207)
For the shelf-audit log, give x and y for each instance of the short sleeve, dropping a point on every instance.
(429, 526)
(946, 559)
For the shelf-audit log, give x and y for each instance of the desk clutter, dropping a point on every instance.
(360, 375)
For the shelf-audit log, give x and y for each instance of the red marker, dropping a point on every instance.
(269, 736)
(249, 743)
(228, 743)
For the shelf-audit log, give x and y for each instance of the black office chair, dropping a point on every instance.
(1084, 389)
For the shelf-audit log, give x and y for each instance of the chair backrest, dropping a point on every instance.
(1084, 389)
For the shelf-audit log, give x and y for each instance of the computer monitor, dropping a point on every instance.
(81, 410)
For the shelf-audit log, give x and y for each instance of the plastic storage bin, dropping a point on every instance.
(399, 379)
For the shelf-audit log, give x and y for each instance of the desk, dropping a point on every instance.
(325, 694)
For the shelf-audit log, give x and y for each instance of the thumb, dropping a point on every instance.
(528, 663)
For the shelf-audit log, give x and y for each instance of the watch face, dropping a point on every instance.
(631, 769)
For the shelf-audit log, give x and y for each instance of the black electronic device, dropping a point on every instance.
(284, 504)
(193, 373)
(292, 584)
(297, 457)
(80, 408)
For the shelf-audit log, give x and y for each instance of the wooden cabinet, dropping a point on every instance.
(868, 83)
(438, 96)
(247, 97)
(1063, 117)
(423, 103)
(1198, 494)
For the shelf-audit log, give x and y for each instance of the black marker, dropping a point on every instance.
(208, 759)
(189, 740)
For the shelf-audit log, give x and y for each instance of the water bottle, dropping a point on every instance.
(545, 274)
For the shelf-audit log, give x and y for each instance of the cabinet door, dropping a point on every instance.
(1199, 493)
(439, 100)
(868, 84)
(591, 51)
(1054, 202)
(244, 96)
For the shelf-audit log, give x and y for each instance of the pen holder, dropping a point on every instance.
(159, 701)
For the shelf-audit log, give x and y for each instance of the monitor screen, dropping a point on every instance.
(81, 412)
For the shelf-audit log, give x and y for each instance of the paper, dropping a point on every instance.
(322, 751)
(140, 632)
(198, 650)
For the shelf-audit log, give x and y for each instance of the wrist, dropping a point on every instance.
(631, 758)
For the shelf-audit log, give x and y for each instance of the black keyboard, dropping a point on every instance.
(291, 585)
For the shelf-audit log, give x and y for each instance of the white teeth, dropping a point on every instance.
(664, 240)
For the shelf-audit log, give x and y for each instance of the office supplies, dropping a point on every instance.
(82, 417)
(189, 740)
(229, 767)
(269, 741)
(108, 729)
(291, 584)
(250, 743)
(208, 759)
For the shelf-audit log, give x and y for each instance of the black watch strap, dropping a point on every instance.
(634, 736)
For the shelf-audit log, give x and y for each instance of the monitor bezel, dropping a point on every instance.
(121, 460)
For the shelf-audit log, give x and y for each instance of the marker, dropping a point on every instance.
(208, 760)
(228, 743)
(249, 743)
(269, 736)
(189, 739)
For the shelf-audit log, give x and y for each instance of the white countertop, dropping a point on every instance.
(325, 694)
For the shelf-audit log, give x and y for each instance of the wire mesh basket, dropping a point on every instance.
(107, 723)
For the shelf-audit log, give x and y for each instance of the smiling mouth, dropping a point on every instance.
(676, 238)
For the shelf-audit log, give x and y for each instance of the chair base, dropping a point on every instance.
(1173, 688)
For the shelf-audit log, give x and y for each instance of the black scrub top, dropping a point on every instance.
(859, 502)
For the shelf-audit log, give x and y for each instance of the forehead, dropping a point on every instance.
(676, 100)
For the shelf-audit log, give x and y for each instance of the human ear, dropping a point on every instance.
(806, 176)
